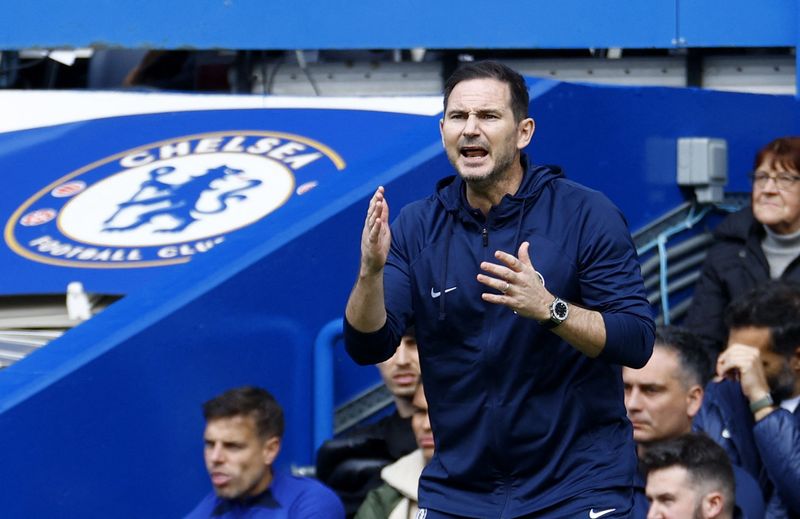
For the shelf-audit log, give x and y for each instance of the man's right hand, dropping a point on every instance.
(365, 307)
(376, 238)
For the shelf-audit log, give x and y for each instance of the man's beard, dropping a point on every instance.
(782, 385)
(494, 177)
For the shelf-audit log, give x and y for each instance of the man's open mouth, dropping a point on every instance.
(473, 151)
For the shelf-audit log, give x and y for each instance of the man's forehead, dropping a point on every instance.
(672, 480)
(233, 428)
(662, 366)
(479, 93)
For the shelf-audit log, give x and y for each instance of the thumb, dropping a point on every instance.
(523, 254)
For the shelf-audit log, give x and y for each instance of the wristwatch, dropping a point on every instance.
(559, 311)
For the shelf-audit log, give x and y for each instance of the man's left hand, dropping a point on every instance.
(520, 286)
(744, 362)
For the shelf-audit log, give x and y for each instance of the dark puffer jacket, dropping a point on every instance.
(735, 264)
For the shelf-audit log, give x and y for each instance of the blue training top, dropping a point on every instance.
(288, 497)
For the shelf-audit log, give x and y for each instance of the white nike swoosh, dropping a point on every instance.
(600, 513)
(435, 294)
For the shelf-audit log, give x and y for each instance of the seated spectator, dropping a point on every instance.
(755, 244)
(351, 464)
(397, 497)
(663, 397)
(689, 477)
(244, 427)
(754, 412)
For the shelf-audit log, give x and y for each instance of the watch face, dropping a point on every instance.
(560, 310)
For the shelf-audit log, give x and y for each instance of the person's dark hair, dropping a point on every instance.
(706, 462)
(492, 70)
(783, 151)
(693, 356)
(250, 401)
(774, 305)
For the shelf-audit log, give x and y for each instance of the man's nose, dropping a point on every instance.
(402, 355)
(632, 400)
(471, 126)
(426, 423)
(653, 512)
(217, 454)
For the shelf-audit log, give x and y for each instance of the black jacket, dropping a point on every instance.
(735, 264)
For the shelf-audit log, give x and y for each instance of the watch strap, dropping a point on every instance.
(549, 324)
(761, 403)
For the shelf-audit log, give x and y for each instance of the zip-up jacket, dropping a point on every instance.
(734, 265)
(521, 419)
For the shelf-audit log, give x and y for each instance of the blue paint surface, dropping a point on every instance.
(359, 24)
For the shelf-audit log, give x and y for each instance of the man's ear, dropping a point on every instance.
(525, 130)
(694, 399)
(270, 450)
(713, 504)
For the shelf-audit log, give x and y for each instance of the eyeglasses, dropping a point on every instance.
(784, 181)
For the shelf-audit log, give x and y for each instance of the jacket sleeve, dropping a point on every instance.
(725, 417)
(611, 283)
(378, 346)
(706, 314)
(778, 438)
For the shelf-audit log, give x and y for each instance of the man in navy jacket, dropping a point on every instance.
(754, 413)
(526, 295)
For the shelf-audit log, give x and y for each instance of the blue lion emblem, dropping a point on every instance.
(177, 200)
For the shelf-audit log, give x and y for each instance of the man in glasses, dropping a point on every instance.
(755, 244)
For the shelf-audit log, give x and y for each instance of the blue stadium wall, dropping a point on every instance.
(105, 422)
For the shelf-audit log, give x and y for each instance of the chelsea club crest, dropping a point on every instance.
(162, 203)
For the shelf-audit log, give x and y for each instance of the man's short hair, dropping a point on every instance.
(250, 401)
(774, 305)
(493, 70)
(694, 359)
(706, 462)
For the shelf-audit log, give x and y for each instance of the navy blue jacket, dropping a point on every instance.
(521, 419)
(769, 449)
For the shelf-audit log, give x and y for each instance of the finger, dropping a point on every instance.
(524, 255)
(509, 259)
(375, 231)
(498, 271)
(500, 285)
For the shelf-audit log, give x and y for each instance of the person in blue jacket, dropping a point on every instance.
(753, 410)
(526, 296)
(244, 427)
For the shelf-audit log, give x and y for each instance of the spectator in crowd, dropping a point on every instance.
(244, 427)
(351, 464)
(397, 497)
(754, 412)
(755, 244)
(526, 295)
(689, 477)
(663, 397)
